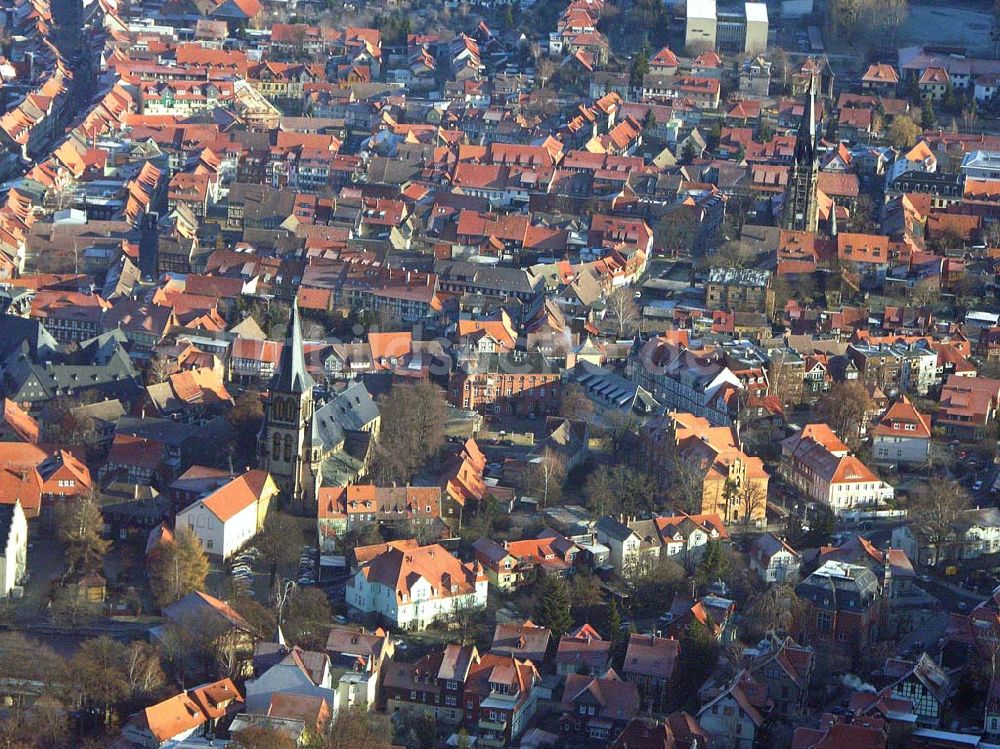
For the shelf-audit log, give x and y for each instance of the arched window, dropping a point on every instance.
(276, 449)
(288, 448)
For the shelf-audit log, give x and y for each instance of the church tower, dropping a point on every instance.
(801, 210)
(286, 439)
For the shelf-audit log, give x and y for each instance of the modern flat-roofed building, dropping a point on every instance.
(700, 30)
(734, 28)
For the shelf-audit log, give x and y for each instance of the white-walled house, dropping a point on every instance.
(902, 435)
(229, 517)
(774, 561)
(974, 533)
(13, 546)
(414, 587)
(817, 463)
(731, 715)
(298, 671)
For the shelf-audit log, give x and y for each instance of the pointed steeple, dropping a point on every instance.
(292, 375)
(833, 219)
(805, 142)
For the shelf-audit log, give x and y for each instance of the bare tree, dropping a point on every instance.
(545, 476)
(622, 310)
(845, 408)
(751, 501)
(575, 404)
(936, 507)
(545, 68)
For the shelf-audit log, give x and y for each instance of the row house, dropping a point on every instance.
(907, 368)
(68, 315)
(685, 380)
(492, 696)
(817, 463)
(341, 509)
(507, 383)
(968, 406)
(972, 534)
(433, 686)
(183, 98)
(512, 564)
(284, 82)
(636, 544)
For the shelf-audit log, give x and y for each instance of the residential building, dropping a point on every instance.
(902, 435)
(817, 463)
(678, 731)
(785, 668)
(737, 712)
(924, 683)
(282, 670)
(681, 379)
(583, 651)
(515, 563)
(598, 706)
(411, 588)
(358, 661)
(774, 561)
(733, 485)
(501, 696)
(651, 664)
(197, 712)
(524, 641)
(345, 508)
(433, 686)
(843, 608)
(13, 546)
(968, 406)
(228, 518)
(973, 533)
(739, 290)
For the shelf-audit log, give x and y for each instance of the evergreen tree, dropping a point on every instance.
(699, 655)
(714, 564)
(640, 66)
(508, 17)
(552, 608)
(614, 621)
(649, 120)
(927, 118)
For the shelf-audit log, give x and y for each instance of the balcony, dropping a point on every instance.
(492, 725)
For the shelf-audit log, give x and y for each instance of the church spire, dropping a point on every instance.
(805, 142)
(292, 375)
(833, 218)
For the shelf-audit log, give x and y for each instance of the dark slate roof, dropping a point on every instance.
(16, 332)
(292, 375)
(353, 408)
